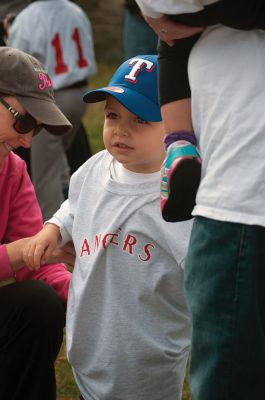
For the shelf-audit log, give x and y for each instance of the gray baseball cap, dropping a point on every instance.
(24, 77)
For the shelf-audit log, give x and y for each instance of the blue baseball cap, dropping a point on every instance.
(135, 86)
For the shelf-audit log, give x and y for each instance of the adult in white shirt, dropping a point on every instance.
(225, 266)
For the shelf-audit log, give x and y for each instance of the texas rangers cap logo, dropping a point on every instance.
(138, 65)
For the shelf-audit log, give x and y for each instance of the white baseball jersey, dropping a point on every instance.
(58, 33)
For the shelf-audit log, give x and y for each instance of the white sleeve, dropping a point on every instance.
(64, 220)
(64, 217)
(157, 8)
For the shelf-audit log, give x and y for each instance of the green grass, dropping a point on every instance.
(93, 121)
(66, 387)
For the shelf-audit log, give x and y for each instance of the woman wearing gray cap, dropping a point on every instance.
(32, 305)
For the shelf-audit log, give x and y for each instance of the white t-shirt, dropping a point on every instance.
(226, 72)
(128, 328)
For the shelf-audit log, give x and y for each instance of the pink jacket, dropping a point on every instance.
(20, 217)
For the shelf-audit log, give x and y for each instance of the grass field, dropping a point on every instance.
(93, 121)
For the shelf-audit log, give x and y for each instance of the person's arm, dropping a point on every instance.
(20, 214)
(176, 42)
(53, 241)
(20, 219)
(55, 274)
(169, 30)
(10, 263)
(174, 88)
(15, 254)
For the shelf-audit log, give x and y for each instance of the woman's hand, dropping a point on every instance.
(15, 253)
(169, 30)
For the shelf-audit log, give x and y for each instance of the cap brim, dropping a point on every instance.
(135, 102)
(47, 113)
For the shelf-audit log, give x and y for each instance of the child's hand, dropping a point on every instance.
(169, 30)
(65, 254)
(40, 247)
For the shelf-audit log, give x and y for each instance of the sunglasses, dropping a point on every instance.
(23, 123)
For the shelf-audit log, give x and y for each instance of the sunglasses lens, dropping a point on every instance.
(25, 124)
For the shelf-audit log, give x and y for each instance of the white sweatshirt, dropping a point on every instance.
(128, 329)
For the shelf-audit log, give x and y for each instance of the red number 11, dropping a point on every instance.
(61, 67)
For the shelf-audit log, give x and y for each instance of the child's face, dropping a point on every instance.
(135, 143)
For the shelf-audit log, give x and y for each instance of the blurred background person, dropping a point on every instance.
(138, 37)
(63, 42)
(9, 7)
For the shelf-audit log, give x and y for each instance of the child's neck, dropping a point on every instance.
(124, 175)
(141, 170)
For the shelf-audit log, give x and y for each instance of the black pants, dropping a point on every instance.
(32, 318)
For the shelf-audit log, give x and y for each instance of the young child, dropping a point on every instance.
(128, 329)
(183, 20)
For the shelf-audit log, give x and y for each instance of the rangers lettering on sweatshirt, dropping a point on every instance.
(128, 244)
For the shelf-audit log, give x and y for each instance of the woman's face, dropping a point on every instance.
(9, 138)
